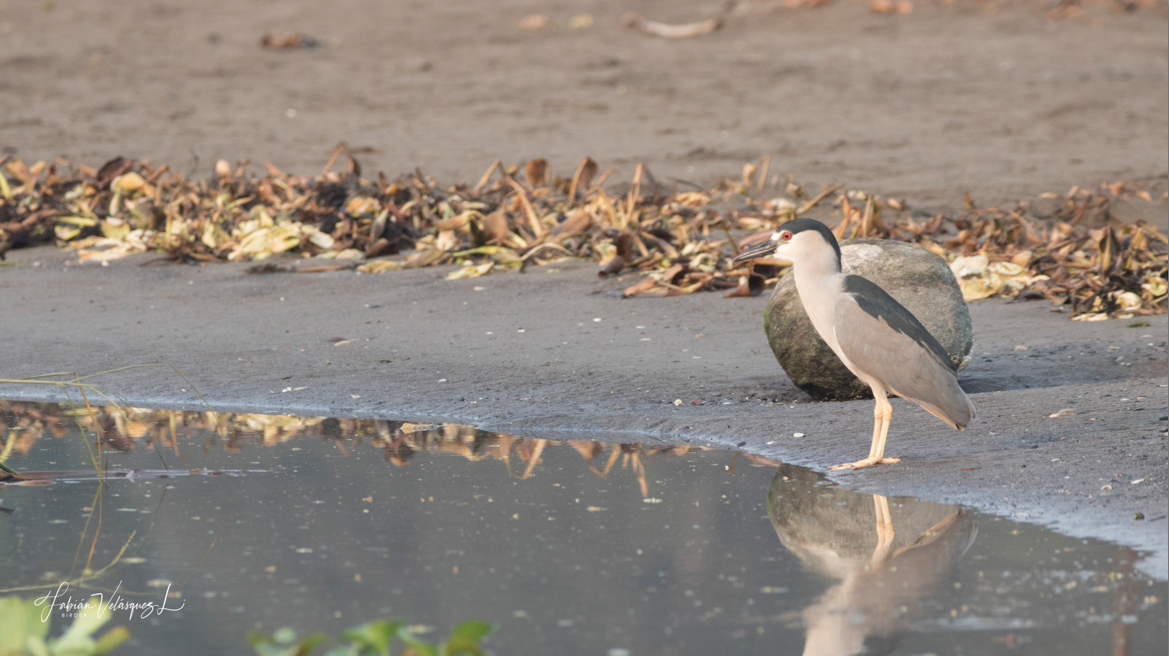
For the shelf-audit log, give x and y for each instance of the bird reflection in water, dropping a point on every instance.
(887, 557)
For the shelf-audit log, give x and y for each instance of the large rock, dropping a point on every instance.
(917, 278)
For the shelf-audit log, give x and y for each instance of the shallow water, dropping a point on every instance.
(569, 548)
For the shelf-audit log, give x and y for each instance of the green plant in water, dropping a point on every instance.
(24, 633)
(373, 639)
(283, 642)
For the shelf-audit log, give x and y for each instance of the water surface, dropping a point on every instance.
(583, 547)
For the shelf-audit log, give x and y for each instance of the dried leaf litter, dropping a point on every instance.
(681, 240)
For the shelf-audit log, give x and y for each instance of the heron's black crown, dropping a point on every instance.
(796, 226)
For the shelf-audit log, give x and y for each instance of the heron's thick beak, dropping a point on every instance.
(762, 249)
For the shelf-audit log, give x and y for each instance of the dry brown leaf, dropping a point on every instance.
(583, 177)
(533, 22)
(536, 171)
(668, 31)
(288, 41)
(642, 286)
(611, 267)
(574, 225)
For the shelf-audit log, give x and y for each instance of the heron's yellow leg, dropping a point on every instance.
(885, 532)
(882, 415)
(886, 410)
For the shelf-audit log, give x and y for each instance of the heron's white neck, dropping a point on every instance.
(819, 281)
(816, 259)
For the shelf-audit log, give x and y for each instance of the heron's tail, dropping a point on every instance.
(970, 412)
(956, 408)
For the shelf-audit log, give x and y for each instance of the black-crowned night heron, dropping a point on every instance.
(872, 334)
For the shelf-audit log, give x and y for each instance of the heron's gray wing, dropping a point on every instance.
(877, 303)
(885, 341)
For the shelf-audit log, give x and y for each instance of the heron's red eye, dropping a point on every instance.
(786, 236)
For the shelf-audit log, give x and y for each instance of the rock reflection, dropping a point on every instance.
(886, 556)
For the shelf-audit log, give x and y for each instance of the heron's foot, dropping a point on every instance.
(867, 462)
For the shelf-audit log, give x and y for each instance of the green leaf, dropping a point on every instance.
(255, 638)
(264, 646)
(309, 643)
(421, 646)
(36, 647)
(465, 638)
(283, 642)
(285, 635)
(77, 638)
(110, 640)
(376, 635)
(19, 621)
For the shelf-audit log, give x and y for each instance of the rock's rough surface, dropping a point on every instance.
(917, 278)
